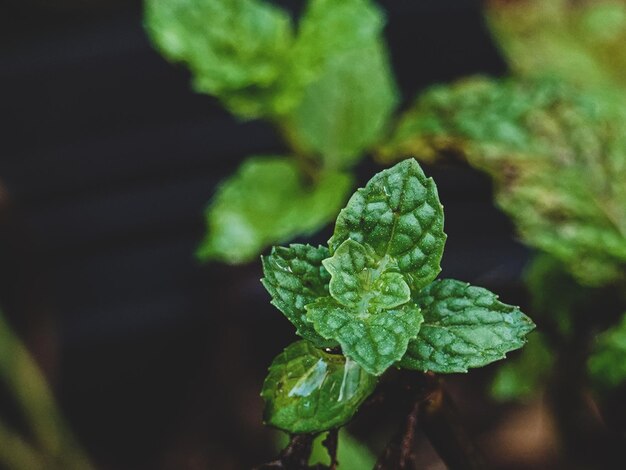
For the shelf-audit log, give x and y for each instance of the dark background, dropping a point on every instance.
(108, 159)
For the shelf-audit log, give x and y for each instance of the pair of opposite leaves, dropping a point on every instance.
(371, 292)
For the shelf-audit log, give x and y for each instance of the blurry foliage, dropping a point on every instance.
(351, 454)
(267, 200)
(581, 41)
(522, 376)
(552, 136)
(325, 84)
(373, 292)
(48, 442)
(557, 158)
(607, 362)
(237, 50)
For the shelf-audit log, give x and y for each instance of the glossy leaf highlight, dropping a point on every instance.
(309, 390)
(362, 283)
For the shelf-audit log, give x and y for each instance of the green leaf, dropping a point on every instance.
(351, 94)
(374, 339)
(398, 214)
(295, 277)
(351, 454)
(361, 282)
(579, 42)
(266, 202)
(522, 377)
(464, 326)
(557, 156)
(309, 390)
(236, 50)
(607, 362)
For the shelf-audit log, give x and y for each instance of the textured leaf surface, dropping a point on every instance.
(607, 362)
(464, 327)
(308, 390)
(295, 277)
(351, 92)
(580, 42)
(557, 155)
(375, 340)
(399, 215)
(237, 50)
(361, 282)
(266, 202)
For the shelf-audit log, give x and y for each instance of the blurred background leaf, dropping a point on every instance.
(557, 156)
(581, 42)
(268, 201)
(351, 454)
(607, 362)
(240, 58)
(522, 377)
(347, 108)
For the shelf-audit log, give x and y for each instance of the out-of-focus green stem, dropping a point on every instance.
(24, 379)
(16, 454)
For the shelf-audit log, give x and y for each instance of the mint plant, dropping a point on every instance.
(326, 86)
(370, 302)
(551, 137)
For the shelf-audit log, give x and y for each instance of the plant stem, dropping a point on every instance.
(331, 443)
(26, 382)
(440, 422)
(399, 452)
(16, 454)
(580, 431)
(309, 165)
(429, 405)
(295, 456)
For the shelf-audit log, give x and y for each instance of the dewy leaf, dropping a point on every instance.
(607, 362)
(464, 326)
(309, 390)
(265, 202)
(295, 277)
(361, 282)
(237, 50)
(351, 93)
(398, 214)
(557, 156)
(374, 339)
(581, 42)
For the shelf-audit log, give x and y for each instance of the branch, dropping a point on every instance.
(293, 457)
(440, 421)
(429, 404)
(399, 452)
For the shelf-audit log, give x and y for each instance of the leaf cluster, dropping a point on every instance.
(325, 83)
(370, 301)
